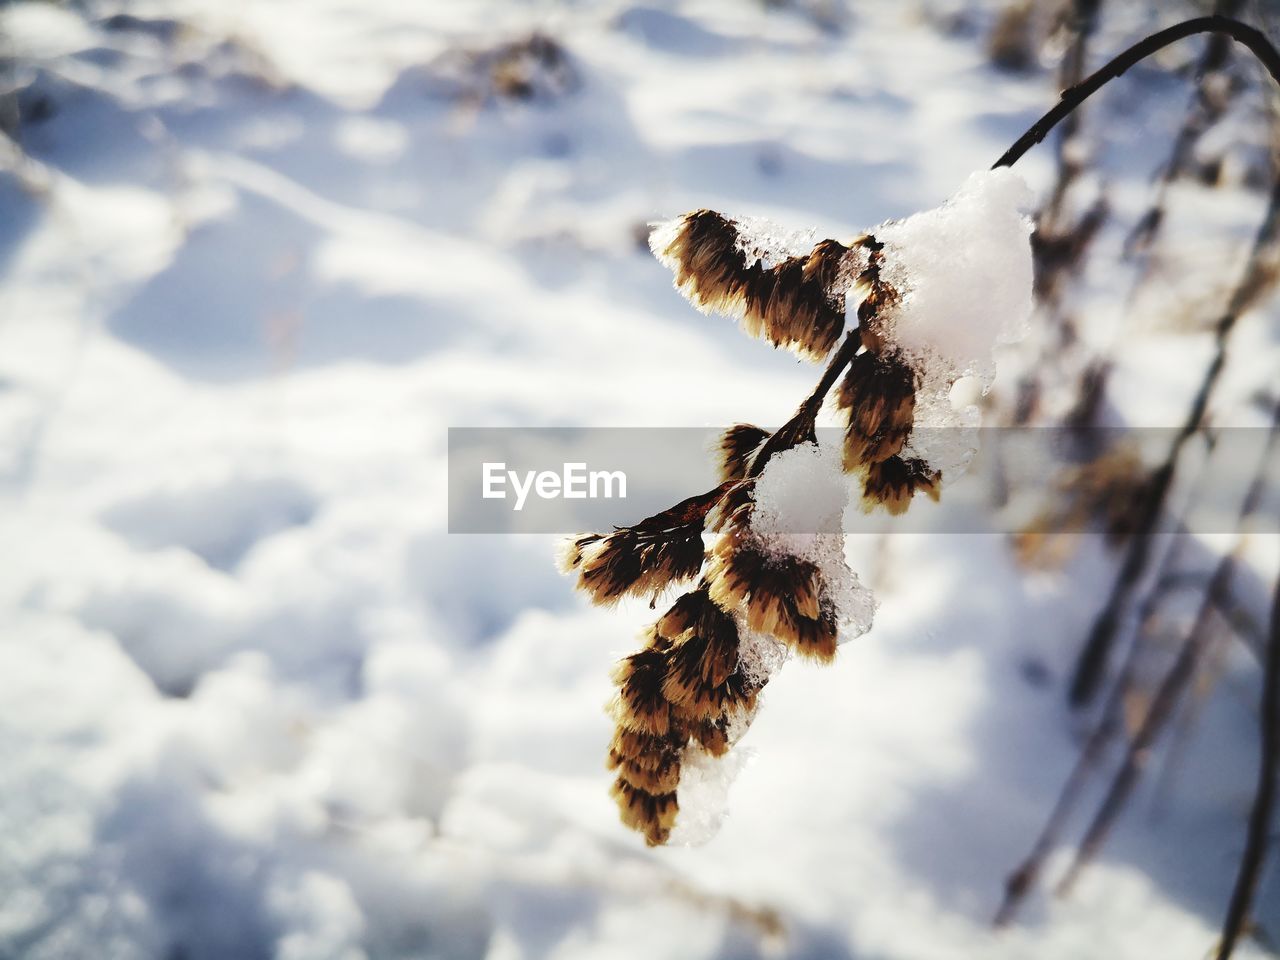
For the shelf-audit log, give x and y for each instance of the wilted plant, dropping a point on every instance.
(533, 68)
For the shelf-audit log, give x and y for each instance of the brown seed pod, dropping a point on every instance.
(682, 615)
(640, 705)
(892, 483)
(643, 559)
(815, 637)
(702, 682)
(713, 735)
(878, 296)
(652, 773)
(646, 748)
(648, 767)
(780, 595)
(736, 449)
(878, 394)
(682, 691)
(798, 304)
(734, 508)
(651, 814)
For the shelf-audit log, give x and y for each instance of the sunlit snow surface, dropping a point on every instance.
(259, 703)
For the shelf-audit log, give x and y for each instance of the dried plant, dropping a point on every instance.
(1013, 41)
(1101, 493)
(757, 590)
(1090, 671)
(532, 68)
(759, 587)
(536, 66)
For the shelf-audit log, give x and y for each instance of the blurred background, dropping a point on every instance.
(256, 258)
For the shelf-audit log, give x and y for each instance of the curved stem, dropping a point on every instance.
(1264, 798)
(1264, 801)
(1242, 33)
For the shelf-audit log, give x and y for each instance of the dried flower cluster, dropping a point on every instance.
(752, 585)
(687, 688)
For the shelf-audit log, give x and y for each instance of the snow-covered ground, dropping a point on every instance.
(255, 259)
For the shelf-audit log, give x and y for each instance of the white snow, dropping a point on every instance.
(964, 273)
(800, 493)
(801, 497)
(759, 655)
(767, 243)
(703, 795)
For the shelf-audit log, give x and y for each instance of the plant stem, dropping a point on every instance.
(1201, 112)
(1264, 800)
(1091, 666)
(1073, 97)
(801, 425)
(1175, 683)
(1083, 23)
(1162, 708)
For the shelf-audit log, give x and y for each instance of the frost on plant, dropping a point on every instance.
(914, 305)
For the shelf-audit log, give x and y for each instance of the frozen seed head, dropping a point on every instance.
(651, 814)
(737, 447)
(713, 736)
(656, 772)
(875, 297)
(878, 396)
(734, 507)
(644, 559)
(682, 616)
(682, 695)
(702, 681)
(778, 595)
(797, 303)
(932, 295)
(640, 706)
(632, 562)
(800, 498)
(947, 287)
(892, 483)
(963, 271)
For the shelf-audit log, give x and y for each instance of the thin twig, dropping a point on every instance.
(1073, 97)
(801, 425)
(1264, 800)
(1084, 21)
(1248, 629)
(1199, 115)
(1175, 682)
(1021, 882)
(1091, 666)
(1256, 842)
(1185, 724)
(1162, 706)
